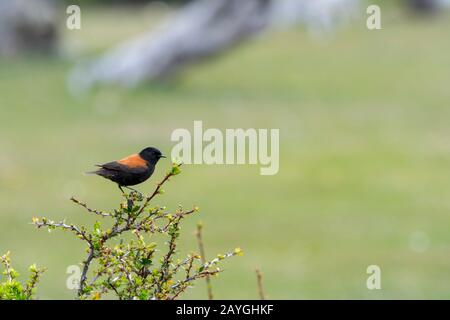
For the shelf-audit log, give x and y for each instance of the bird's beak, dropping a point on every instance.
(163, 156)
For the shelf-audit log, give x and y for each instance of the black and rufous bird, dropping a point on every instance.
(131, 170)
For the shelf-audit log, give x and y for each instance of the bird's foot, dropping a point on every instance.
(135, 194)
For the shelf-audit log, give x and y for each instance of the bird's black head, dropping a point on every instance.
(151, 155)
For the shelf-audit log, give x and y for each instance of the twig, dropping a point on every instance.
(86, 265)
(47, 223)
(5, 260)
(165, 265)
(262, 296)
(84, 205)
(201, 247)
(114, 288)
(33, 280)
(195, 277)
(158, 188)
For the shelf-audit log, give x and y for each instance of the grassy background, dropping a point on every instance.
(365, 151)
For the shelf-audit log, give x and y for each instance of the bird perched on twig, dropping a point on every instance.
(131, 170)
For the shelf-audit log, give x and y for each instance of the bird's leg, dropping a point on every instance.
(120, 187)
(129, 201)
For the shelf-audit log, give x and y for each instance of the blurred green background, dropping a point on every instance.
(364, 123)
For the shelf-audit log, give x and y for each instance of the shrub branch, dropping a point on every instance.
(129, 269)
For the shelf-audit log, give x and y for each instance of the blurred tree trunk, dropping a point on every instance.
(199, 30)
(27, 26)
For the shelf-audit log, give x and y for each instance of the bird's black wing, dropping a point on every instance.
(114, 166)
(119, 167)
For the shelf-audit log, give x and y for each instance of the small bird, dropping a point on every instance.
(131, 170)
